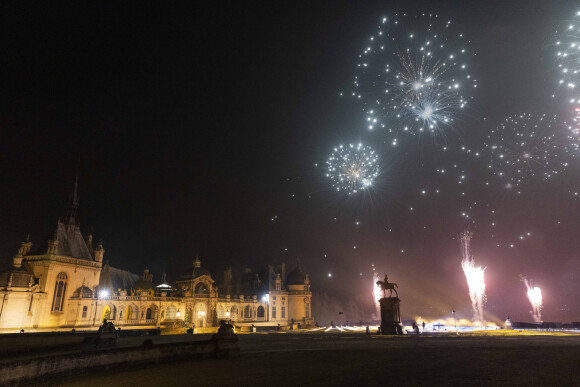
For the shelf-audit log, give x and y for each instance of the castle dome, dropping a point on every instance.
(296, 276)
(197, 271)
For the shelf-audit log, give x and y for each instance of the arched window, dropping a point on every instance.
(201, 289)
(132, 313)
(200, 314)
(151, 312)
(85, 312)
(106, 313)
(247, 312)
(171, 313)
(260, 311)
(234, 313)
(220, 312)
(59, 292)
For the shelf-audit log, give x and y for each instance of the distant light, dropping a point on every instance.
(329, 275)
(104, 293)
(266, 298)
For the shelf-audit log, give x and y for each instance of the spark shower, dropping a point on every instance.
(475, 278)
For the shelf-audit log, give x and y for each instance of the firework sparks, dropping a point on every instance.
(534, 294)
(413, 74)
(528, 146)
(567, 43)
(574, 134)
(377, 294)
(475, 277)
(352, 168)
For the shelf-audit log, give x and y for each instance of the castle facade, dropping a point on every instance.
(66, 285)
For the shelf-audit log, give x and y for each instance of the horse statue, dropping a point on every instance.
(386, 285)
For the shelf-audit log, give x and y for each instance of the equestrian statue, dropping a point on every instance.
(386, 285)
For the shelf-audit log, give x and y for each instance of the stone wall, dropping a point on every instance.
(18, 371)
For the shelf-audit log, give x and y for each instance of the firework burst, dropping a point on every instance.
(352, 168)
(567, 42)
(413, 75)
(528, 146)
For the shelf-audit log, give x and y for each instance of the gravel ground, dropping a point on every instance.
(284, 359)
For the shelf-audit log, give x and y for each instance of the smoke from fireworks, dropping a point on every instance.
(475, 277)
(413, 75)
(534, 294)
(352, 168)
(528, 146)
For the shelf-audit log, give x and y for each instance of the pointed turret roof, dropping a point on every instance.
(68, 233)
(73, 205)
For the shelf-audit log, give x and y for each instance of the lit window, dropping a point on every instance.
(84, 312)
(59, 292)
(131, 313)
(171, 313)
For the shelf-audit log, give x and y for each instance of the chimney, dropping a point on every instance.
(99, 252)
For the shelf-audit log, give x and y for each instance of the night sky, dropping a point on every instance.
(204, 130)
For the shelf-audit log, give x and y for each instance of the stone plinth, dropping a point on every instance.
(390, 316)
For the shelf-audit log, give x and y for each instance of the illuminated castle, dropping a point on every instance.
(66, 285)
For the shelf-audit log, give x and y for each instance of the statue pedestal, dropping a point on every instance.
(390, 316)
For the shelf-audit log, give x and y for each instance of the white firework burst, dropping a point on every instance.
(528, 146)
(567, 43)
(352, 168)
(413, 75)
